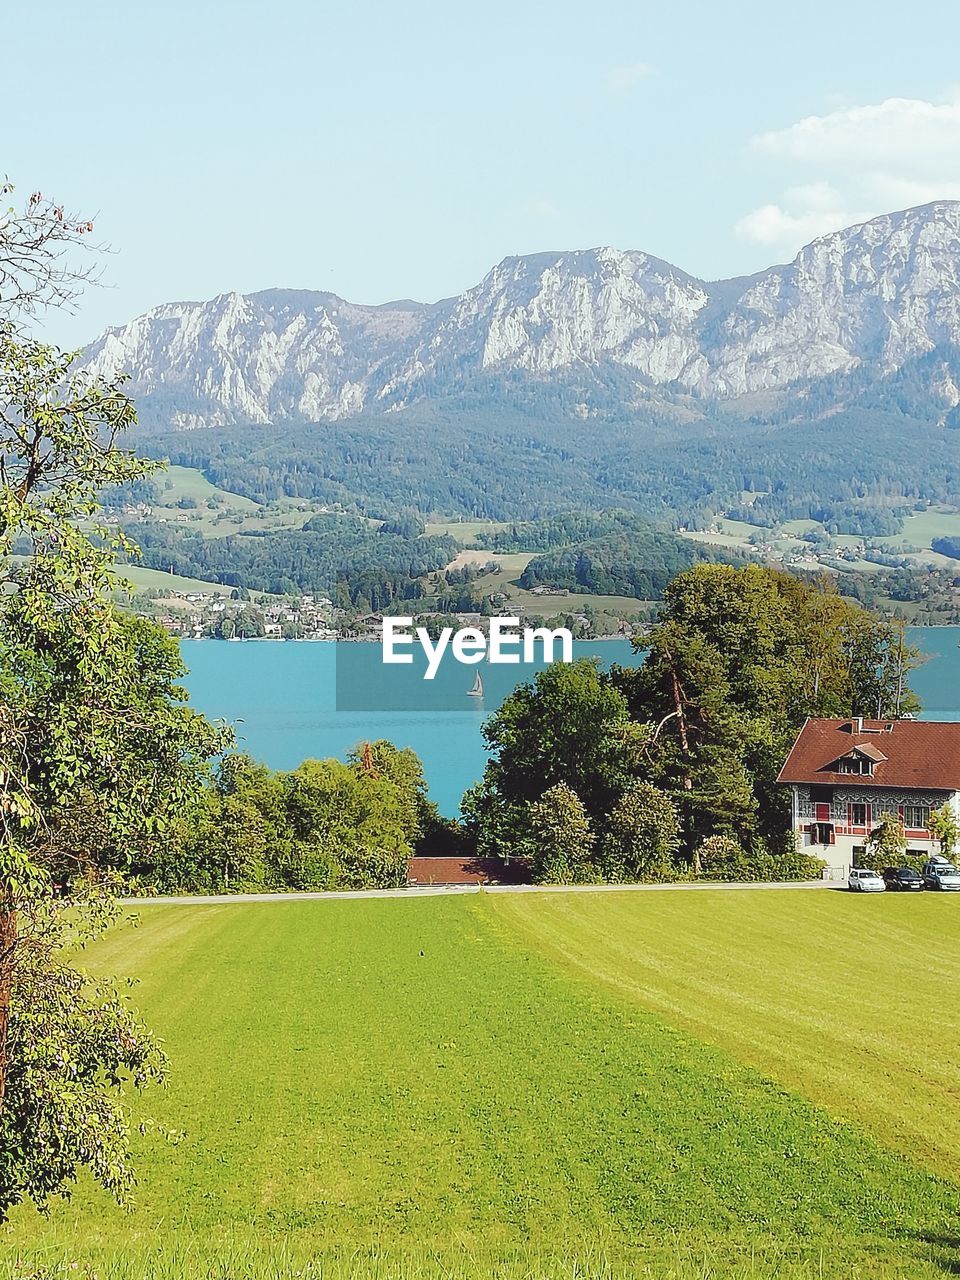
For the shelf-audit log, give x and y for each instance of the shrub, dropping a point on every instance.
(643, 833)
(723, 858)
(562, 842)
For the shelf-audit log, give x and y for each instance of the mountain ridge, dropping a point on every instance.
(869, 298)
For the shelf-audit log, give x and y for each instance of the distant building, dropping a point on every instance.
(441, 871)
(845, 773)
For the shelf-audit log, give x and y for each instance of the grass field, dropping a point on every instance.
(666, 1085)
(174, 483)
(526, 603)
(919, 531)
(827, 994)
(512, 564)
(142, 577)
(232, 512)
(465, 531)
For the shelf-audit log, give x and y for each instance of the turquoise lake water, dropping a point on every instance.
(282, 698)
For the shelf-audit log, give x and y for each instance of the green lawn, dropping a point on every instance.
(526, 603)
(526, 1086)
(794, 528)
(512, 563)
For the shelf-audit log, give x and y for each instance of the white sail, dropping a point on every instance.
(477, 690)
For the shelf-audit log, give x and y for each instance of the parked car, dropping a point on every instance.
(863, 881)
(903, 879)
(941, 874)
(935, 860)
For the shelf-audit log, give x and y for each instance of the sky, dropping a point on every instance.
(387, 150)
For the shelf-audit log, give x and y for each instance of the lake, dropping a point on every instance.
(282, 698)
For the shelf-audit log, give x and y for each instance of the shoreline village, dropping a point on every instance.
(506, 641)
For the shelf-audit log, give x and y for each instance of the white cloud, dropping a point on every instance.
(623, 79)
(862, 161)
(906, 132)
(806, 212)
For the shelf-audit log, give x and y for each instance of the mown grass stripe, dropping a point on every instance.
(855, 1003)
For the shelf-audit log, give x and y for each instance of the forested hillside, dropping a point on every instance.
(516, 465)
(331, 554)
(598, 554)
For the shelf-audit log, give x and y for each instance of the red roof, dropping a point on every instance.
(425, 871)
(922, 754)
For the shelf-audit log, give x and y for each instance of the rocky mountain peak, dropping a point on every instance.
(872, 296)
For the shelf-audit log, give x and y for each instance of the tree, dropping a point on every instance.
(697, 743)
(642, 835)
(886, 845)
(224, 846)
(738, 659)
(98, 753)
(71, 1040)
(561, 838)
(350, 830)
(723, 858)
(570, 725)
(326, 825)
(494, 827)
(943, 824)
(403, 767)
(38, 264)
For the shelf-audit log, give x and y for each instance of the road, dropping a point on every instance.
(442, 890)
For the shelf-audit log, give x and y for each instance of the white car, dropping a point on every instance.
(864, 881)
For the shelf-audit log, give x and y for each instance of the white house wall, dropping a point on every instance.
(839, 855)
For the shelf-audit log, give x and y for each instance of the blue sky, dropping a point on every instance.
(387, 150)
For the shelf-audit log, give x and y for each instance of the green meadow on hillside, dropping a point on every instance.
(543, 1084)
(174, 483)
(914, 541)
(465, 531)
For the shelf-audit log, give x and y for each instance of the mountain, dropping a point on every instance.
(866, 303)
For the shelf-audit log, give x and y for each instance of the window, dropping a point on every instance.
(858, 815)
(854, 764)
(916, 817)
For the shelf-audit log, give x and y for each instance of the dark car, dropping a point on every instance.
(902, 878)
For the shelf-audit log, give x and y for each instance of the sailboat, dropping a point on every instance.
(477, 690)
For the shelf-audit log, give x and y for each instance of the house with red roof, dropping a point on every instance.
(844, 774)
